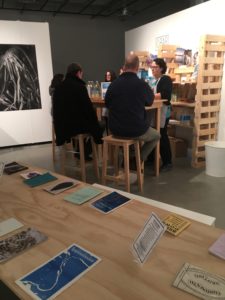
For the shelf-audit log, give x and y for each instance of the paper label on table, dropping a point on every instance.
(148, 237)
(9, 225)
(218, 248)
(50, 279)
(19, 242)
(83, 195)
(175, 224)
(200, 283)
(110, 202)
(30, 174)
(61, 186)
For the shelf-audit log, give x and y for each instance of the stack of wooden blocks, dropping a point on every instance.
(209, 84)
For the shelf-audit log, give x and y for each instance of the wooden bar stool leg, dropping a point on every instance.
(126, 167)
(140, 176)
(82, 158)
(53, 144)
(95, 158)
(104, 162)
(62, 158)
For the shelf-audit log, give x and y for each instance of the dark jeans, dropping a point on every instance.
(165, 150)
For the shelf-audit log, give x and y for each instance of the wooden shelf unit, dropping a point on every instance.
(208, 95)
(143, 56)
(207, 90)
(168, 53)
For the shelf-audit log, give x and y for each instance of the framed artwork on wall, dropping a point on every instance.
(19, 82)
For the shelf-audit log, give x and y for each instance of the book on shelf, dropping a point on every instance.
(13, 167)
(110, 202)
(83, 195)
(54, 276)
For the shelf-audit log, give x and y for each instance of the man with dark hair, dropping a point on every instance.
(73, 112)
(126, 99)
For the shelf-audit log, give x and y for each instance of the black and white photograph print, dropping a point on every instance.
(19, 83)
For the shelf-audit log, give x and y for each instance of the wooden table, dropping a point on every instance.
(110, 237)
(157, 104)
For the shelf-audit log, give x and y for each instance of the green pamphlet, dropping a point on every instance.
(83, 195)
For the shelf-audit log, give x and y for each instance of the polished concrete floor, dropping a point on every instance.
(183, 186)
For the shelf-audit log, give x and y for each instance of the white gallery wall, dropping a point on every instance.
(183, 29)
(29, 126)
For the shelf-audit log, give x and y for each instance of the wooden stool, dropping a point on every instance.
(125, 144)
(69, 148)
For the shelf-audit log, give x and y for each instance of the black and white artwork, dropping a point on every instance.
(19, 84)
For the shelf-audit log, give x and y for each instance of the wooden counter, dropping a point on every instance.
(110, 237)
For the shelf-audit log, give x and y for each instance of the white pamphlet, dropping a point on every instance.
(9, 225)
(148, 237)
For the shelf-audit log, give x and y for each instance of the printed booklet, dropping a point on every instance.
(19, 242)
(13, 167)
(110, 202)
(50, 279)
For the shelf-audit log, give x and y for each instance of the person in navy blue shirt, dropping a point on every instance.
(126, 99)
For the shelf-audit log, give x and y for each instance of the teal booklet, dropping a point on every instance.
(40, 179)
(83, 195)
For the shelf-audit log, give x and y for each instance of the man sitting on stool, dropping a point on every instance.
(73, 112)
(126, 99)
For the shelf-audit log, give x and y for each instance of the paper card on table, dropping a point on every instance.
(200, 283)
(39, 180)
(61, 186)
(19, 242)
(218, 248)
(50, 279)
(175, 224)
(148, 237)
(110, 202)
(30, 174)
(9, 225)
(83, 195)
(13, 167)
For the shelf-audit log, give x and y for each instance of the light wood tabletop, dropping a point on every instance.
(110, 237)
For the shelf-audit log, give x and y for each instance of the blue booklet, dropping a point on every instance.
(40, 179)
(50, 279)
(110, 202)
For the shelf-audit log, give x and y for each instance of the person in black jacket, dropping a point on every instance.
(73, 112)
(163, 90)
(126, 99)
